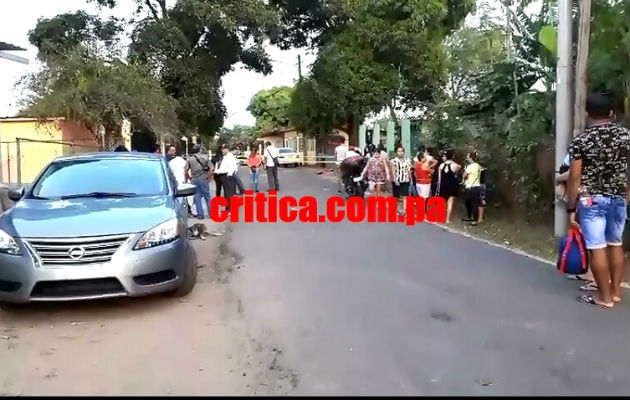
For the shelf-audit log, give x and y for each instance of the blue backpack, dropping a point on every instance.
(572, 254)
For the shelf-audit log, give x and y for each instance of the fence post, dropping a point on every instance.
(362, 138)
(391, 137)
(376, 135)
(405, 135)
(18, 161)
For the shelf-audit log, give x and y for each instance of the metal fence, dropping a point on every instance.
(22, 159)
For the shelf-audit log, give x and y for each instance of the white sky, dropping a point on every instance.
(18, 17)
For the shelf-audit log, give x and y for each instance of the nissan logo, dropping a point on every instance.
(76, 253)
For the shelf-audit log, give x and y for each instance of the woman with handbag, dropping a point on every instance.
(254, 162)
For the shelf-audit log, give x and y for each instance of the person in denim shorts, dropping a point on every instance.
(598, 189)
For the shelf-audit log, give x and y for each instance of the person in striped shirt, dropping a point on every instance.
(401, 175)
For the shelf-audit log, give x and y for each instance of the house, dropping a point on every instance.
(28, 144)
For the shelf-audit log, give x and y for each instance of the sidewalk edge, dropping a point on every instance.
(510, 249)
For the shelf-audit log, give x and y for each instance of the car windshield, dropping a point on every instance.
(286, 150)
(100, 178)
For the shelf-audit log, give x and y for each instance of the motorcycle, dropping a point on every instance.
(352, 176)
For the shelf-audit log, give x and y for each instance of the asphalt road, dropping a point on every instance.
(386, 309)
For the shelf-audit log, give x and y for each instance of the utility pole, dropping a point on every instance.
(564, 101)
(299, 67)
(581, 64)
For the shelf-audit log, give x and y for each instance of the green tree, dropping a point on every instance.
(192, 45)
(372, 54)
(270, 107)
(95, 92)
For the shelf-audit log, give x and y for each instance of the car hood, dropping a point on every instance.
(86, 216)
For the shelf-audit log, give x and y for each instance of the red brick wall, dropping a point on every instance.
(72, 132)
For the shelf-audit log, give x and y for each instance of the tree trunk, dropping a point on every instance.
(581, 65)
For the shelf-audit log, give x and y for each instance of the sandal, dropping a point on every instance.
(577, 278)
(589, 287)
(586, 299)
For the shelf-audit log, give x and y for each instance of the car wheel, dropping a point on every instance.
(189, 278)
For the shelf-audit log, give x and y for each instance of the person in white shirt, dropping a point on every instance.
(341, 152)
(178, 165)
(227, 169)
(271, 166)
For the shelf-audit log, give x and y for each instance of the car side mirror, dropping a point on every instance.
(185, 190)
(16, 194)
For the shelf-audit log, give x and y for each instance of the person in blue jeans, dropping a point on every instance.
(254, 162)
(598, 189)
(200, 169)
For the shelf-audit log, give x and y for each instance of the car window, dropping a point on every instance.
(73, 177)
(286, 150)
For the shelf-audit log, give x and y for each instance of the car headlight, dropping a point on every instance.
(164, 233)
(8, 245)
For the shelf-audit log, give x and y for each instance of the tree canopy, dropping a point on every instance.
(372, 54)
(270, 107)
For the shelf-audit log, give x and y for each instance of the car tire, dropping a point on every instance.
(188, 279)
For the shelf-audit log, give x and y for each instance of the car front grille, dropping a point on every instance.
(77, 251)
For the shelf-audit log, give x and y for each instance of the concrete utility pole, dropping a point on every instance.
(564, 103)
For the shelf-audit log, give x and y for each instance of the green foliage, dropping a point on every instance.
(94, 93)
(239, 136)
(270, 107)
(372, 54)
(55, 37)
(548, 38)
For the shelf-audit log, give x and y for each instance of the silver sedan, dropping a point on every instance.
(97, 226)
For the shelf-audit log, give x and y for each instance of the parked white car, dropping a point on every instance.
(289, 157)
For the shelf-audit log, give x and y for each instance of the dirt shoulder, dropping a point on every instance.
(198, 345)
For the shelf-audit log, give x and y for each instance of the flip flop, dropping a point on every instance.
(586, 299)
(577, 278)
(589, 287)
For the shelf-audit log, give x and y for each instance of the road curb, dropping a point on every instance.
(510, 249)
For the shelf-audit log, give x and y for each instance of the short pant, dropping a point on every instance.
(602, 220)
(400, 190)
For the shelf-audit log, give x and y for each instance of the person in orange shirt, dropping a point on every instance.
(254, 162)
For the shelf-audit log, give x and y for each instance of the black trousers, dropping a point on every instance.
(218, 184)
(229, 187)
(272, 178)
(473, 201)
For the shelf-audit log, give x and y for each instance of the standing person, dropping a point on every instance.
(271, 165)
(227, 170)
(240, 188)
(377, 172)
(254, 162)
(401, 175)
(448, 182)
(423, 176)
(216, 161)
(178, 166)
(472, 184)
(340, 153)
(599, 189)
(199, 168)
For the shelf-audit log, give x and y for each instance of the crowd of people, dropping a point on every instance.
(222, 169)
(427, 174)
